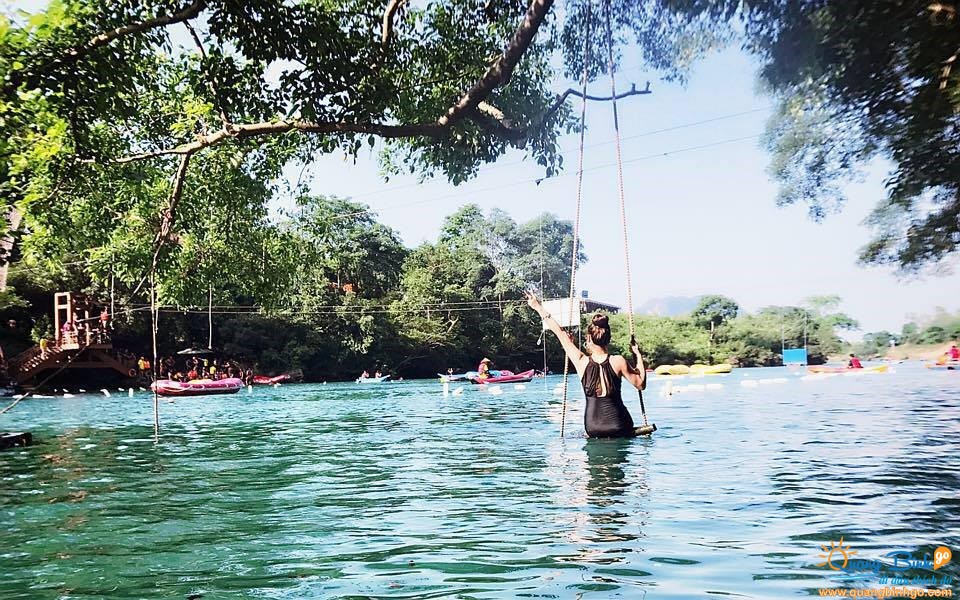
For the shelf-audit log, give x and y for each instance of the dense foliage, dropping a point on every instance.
(359, 300)
(935, 330)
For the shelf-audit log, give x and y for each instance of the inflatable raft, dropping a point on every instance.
(373, 379)
(264, 380)
(874, 369)
(197, 387)
(504, 376)
(672, 370)
(711, 369)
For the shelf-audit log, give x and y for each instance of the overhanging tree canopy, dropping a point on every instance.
(115, 115)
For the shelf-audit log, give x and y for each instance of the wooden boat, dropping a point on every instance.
(372, 379)
(264, 380)
(197, 387)
(504, 376)
(847, 370)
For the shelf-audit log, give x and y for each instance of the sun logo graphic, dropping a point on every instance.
(830, 555)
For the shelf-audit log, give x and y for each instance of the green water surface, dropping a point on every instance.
(398, 491)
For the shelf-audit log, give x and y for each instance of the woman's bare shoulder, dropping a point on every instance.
(618, 362)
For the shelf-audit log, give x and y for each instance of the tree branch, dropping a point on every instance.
(499, 125)
(501, 70)
(74, 54)
(167, 217)
(392, 7)
(213, 89)
(252, 130)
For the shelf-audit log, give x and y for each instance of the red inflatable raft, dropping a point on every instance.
(197, 387)
(506, 377)
(264, 380)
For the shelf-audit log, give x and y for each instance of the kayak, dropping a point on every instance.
(875, 369)
(197, 387)
(672, 370)
(264, 380)
(504, 376)
(711, 369)
(953, 365)
(373, 379)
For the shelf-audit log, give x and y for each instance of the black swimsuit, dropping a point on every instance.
(606, 416)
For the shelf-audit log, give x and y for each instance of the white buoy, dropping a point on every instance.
(558, 391)
(458, 391)
(82, 391)
(750, 384)
(496, 391)
(69, 396)
(276, 385)
(714, 386)
(105, 392)
(249, 389)
(143, 389)
(519, 386)
(130, 392)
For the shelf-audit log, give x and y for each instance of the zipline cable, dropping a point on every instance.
(576, 220)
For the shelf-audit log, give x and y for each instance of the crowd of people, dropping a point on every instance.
(196, 368)
(87, 331)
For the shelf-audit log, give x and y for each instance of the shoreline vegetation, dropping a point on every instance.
(354, 298)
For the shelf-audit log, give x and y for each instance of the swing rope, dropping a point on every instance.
(623, 198)
(576, 220)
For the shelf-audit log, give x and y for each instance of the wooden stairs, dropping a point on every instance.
(27, 367)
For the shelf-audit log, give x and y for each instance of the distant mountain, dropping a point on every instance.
(669, 306)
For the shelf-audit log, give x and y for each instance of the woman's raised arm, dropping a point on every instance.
(573, 352)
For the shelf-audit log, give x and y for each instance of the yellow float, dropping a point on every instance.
(711, 369)
(672, 370)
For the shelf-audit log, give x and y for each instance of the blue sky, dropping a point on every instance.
(705, 219)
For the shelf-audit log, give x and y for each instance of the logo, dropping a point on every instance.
(941, 556)
(831, 552)
(896, 567)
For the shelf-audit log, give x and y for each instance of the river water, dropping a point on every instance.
(397, 491)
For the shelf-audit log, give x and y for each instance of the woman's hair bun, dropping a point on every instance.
(601, 320)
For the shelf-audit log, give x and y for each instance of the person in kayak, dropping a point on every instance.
(854, 362)
(601, 373)
(483, 369)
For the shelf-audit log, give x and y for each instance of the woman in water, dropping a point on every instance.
(600, 373)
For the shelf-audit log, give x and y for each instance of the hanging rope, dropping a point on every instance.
(543, 337)
(154, 317)
(623, 198)
(576, 220)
